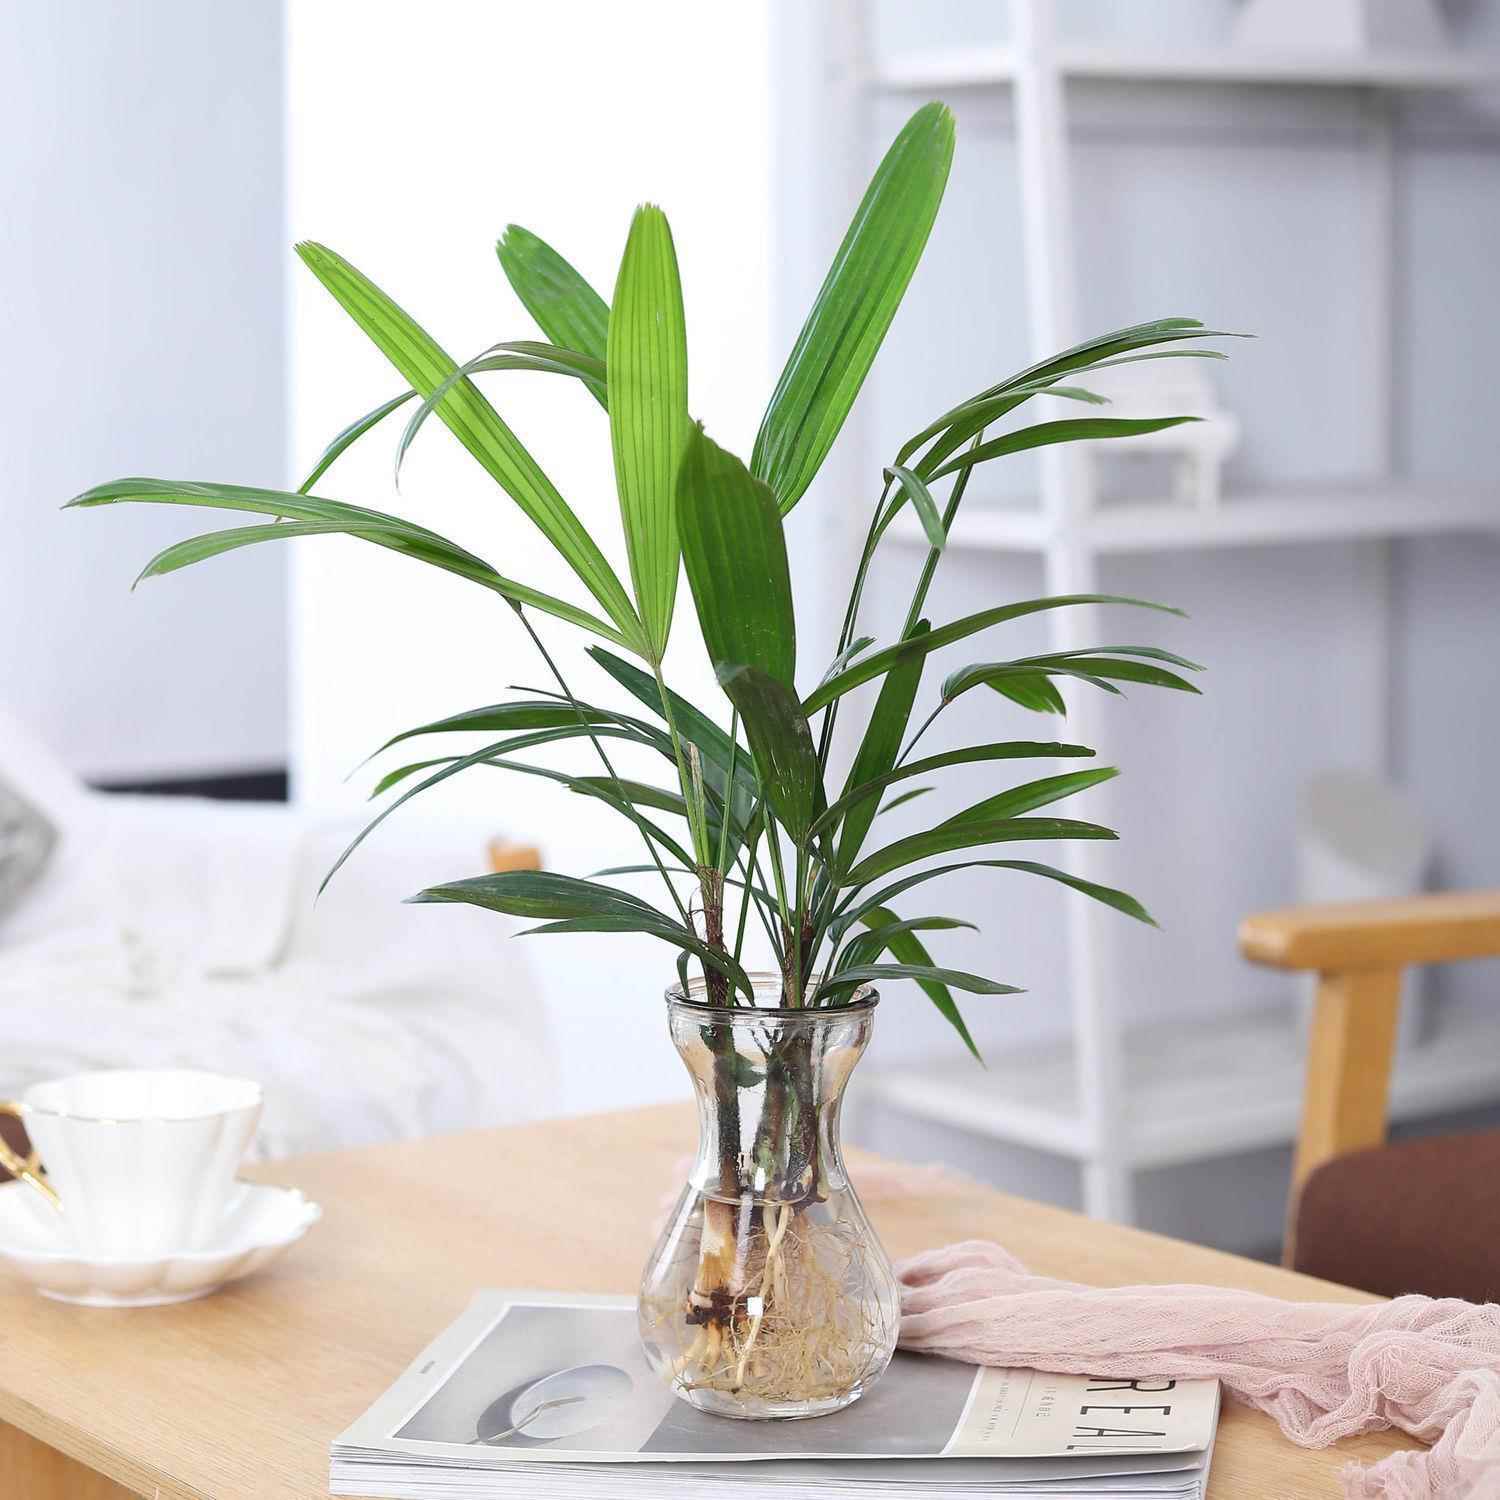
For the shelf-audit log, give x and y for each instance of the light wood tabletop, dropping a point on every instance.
(238, 1396)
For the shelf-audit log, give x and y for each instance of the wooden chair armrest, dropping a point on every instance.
(1376, 934)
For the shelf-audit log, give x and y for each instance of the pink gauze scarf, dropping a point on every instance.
(1323, 1370)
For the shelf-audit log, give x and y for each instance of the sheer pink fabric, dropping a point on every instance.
(1323, 1370)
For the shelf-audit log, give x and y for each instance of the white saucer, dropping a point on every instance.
(258, 1225)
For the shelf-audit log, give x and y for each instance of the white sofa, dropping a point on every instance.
(174, 931)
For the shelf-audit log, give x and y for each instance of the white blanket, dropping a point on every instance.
(185, 933)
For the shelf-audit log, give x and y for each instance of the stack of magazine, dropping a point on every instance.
(535, 1394)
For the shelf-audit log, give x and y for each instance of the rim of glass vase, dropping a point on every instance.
(865, 998)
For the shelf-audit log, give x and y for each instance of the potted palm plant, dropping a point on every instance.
(768, 1294)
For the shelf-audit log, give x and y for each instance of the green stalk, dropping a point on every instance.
(695, 822)
(750, 868)
(745, 900)
(911, 744)
(798, 915)
(773, 843)
(851, 613)
(727, 811)
(955, 499)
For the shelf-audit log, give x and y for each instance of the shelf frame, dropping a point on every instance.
(988, 67)
(1071, 536)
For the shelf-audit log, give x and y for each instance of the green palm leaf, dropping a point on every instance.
(854, 307)
(1044, 434)
(901, 939)
(1031, 795)
(1001, 750)
(516, 354)
(320, 517)
(969, 834)
(781, 742)
(734, 548)
(868, 946)
(956, 630)
(351, 435)
(572, 905)
(849, 979)
(1105, 894)
(878, 749)
(914, 488)
(648, 414)
(477, 426)
(566, 308)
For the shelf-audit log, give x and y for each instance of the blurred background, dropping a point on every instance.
(1331, 531)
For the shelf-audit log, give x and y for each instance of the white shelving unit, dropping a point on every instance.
(1112, 1099)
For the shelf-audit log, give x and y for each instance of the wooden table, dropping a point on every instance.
(238, 1396)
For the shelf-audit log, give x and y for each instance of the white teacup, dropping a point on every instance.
(138, 1161)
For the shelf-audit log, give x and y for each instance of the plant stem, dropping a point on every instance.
(695, 821)
(650, 843)
(929, 567)
(924, 727)
(851, 614)
(745, 900)
(726, 813)
(751, 871)
(710, 876)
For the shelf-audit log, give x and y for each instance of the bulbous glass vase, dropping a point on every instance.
(768, 1294)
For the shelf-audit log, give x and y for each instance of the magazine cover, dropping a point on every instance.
(542, 1377)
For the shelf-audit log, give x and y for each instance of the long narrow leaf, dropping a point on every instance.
(969, 835)
(1150, 653)
(500, 718)
(997, 673)
(566, 308)
(497, 752)
(879, 748)
(696, 728)
(846, 656)
(914, 488)
(1001, 750)
(1033, 690)
(517, 354)
(1044, 434)
(1102, 352)
(902, 798)
(781, 741)
(1119, 669)
(873, 973)
(735, 551)
(908, 948)
(351, 435)
(1105, 894)
(648, 413)
(374, 526)
(571, 905)
(854, 307)
(957, 630)
(475, 423)
(962, 421)
(1032, 795)
(868, 946)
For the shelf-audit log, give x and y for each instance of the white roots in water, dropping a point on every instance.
(797, 1324)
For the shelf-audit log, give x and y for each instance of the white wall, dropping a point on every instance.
(411, 148)
(141, 256)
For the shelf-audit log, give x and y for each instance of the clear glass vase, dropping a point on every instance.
(768, 1294)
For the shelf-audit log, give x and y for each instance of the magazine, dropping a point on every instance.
(528, 1390)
